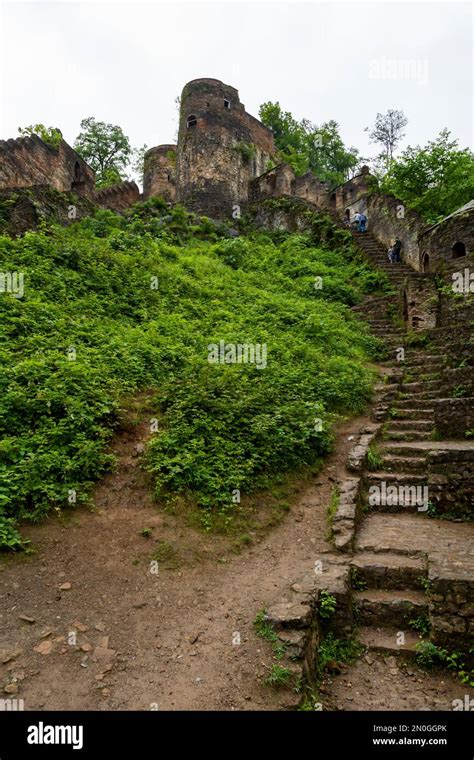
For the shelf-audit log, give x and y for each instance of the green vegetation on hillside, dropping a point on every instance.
(113, 304)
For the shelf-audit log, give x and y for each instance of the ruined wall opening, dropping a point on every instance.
(458, 250)
(226, 104)
(77, 182)
(425, 262)
(191, 121)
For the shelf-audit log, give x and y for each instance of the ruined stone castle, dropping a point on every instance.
(226, 161)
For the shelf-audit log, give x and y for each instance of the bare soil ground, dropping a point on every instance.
(85, 625)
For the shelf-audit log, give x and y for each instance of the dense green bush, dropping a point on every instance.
(117, 304)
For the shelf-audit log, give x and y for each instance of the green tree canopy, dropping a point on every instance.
(105, 148)
(305, 146)
(434, 180)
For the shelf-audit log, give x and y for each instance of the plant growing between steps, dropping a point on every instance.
(374, 459)
(265, 631)
(327, 605)
(357, 583)
(421, 624)
(279, 676)
(333, 652)
(431, 656)
(332, 509)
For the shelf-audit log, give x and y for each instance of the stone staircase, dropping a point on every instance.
(388, 583)
(394, 570)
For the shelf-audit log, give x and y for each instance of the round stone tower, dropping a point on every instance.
(220, 148)
(159, 172)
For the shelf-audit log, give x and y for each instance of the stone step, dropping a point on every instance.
(419, 402)
(395, 504)
(421, 448)
(418, 356)
(403, 413)
(411, 424)
(417, 387)
(407, 435)
(394, 478)
(388, 641)
(404, 464)
(388, 571)
(379, 607)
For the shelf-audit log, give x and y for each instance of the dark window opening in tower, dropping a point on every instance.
(226, 103)
(191, 121)
(168, 176)
(208, 104)
(425, 263)
(77, 171)
(458, 249)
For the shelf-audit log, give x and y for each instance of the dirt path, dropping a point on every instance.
(144, 640)
(85, 625)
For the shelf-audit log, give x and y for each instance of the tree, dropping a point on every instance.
(105, 148)
(306, 146)
(434, 180)
(328, 157)
(50, 135)
(388, 131)
(138, 161)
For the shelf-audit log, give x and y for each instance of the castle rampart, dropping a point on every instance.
(29, 161)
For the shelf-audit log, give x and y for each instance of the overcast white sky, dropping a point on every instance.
(125, 63)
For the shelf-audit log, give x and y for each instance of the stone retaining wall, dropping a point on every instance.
(451, 600)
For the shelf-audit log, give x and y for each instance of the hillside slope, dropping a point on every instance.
(114, 305)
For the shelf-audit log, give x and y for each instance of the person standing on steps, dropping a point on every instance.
(356, 222)
(396, 251)
(362, 222)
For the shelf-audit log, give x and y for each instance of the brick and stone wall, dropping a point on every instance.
(25, 208)
(451, 480)
(436, 242)
(273, 183)
(342, 196)
(388, 219)
(311, 188)
(420, 302)
(159, 176)
(118, 197)
(220, 148)
(453, 416)
(29, 161)
(451, 602)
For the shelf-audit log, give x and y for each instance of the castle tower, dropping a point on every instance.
(159, 173)
(220, 148)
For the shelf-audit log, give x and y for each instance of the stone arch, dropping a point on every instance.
(458, 249)
(425, 262)
(191, 121)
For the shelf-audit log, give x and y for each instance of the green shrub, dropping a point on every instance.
(139, 298)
